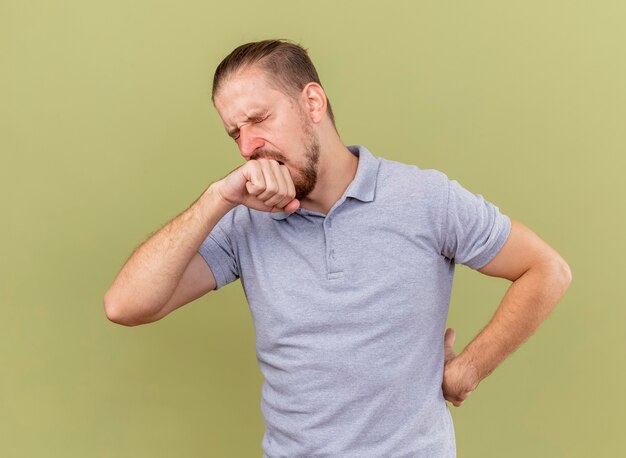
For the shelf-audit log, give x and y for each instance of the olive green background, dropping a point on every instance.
(107, 132)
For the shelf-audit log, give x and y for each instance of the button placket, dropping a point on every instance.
(331, 256)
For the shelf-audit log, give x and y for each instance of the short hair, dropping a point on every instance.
(286, 63)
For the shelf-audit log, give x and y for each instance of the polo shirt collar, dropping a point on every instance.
(363, 186)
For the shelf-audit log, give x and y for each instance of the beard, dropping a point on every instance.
(305, 178)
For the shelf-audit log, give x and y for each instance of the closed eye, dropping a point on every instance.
(256, 120)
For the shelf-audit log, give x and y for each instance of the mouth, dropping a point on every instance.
(268, 157)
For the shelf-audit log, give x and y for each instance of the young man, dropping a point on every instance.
(347, 261)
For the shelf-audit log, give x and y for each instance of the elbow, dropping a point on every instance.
(568, 273)
(558, 269)
(562, 273)
(555, 273)
(114, 313)
(565, 272)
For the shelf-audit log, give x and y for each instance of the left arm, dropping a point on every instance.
(540, 278)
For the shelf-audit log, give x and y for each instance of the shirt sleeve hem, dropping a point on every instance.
(214, 259)
(500, 237)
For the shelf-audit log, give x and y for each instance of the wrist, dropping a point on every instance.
(213, 197)
(470, 368)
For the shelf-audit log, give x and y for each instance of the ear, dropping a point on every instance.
(315, 100)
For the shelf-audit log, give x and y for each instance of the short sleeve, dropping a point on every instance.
(219, 253)
(474, 230)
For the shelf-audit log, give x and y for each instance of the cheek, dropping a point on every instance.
(295, 174)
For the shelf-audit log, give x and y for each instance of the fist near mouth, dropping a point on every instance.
(261, 184)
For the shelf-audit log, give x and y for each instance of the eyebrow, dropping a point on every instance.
(256, 114)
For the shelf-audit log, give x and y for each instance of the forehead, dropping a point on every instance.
(245, 95)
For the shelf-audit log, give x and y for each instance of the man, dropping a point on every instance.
(346, 260)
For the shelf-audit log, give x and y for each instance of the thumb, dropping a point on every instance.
(292, 206)
(448, 344)
(251, 187)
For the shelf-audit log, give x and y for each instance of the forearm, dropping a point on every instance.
(526, 304)
(152, 272)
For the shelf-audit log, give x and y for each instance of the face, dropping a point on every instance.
(265, 123)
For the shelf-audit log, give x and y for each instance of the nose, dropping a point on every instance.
(249, 142)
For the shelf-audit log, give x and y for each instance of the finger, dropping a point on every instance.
(448, 343)
(281, 192)
(271, 186)
(290, 190)
(254, 173)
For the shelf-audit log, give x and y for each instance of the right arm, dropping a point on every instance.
(166, 271)
(148, 283)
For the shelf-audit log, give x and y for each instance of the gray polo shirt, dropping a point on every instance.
(350, 309)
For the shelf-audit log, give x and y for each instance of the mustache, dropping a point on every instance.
(269, 155)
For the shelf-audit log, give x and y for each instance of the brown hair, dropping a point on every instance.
(286, 63)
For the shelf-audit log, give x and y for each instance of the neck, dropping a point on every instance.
(336, 170)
